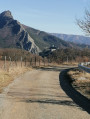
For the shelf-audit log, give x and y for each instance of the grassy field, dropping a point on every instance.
(81, 82)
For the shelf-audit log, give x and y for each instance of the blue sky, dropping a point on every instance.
(56, 16)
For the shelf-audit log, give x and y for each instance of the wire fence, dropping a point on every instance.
(9, 62)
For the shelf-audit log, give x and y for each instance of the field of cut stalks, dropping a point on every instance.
(81, 82)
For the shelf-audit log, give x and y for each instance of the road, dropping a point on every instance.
(38, 95)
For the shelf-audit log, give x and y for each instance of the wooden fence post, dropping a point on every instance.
(16, 61)
(25, 61)
(21, 61)
(48, 61)
(67, 59)
(10, 61)
(39, 62)
(30, 61)
(5, 63)
(44, 61)
(35, 60)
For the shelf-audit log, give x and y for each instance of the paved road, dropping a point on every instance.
(37, 95)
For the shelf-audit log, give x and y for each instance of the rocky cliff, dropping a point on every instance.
(13, 34)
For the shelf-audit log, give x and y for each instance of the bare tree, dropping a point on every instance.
(85, 23)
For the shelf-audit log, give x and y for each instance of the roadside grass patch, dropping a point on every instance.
(81, 81)
(6, 77)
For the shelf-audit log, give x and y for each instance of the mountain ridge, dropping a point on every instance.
(47, 39)
(13, 34)
(80, 39)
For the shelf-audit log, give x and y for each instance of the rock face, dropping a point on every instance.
(13, 34)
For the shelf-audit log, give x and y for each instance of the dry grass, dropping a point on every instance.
(6, 77)
(81, 82)
(71, 63)
(79, 75)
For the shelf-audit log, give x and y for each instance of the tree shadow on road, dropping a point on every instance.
(78, 98)
(51, 101)
(52, 68)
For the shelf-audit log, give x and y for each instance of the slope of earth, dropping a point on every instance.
(81, 82)
(44, 40)
(73, 38)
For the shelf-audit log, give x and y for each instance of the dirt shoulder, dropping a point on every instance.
(6, 77)
(81, 82)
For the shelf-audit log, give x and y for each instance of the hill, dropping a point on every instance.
(73, 38)
(13, 34)
(44, 40)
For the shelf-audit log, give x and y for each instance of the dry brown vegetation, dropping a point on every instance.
(14, 67)
(70, 55)
(81, 82)
(6, 77)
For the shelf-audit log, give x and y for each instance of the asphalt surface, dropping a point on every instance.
(38, 95)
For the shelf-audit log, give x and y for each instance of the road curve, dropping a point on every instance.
(37, 95)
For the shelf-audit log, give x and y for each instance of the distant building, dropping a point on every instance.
(48, 51)
(52, 48)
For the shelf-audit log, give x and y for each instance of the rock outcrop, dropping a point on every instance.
(13, 34)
